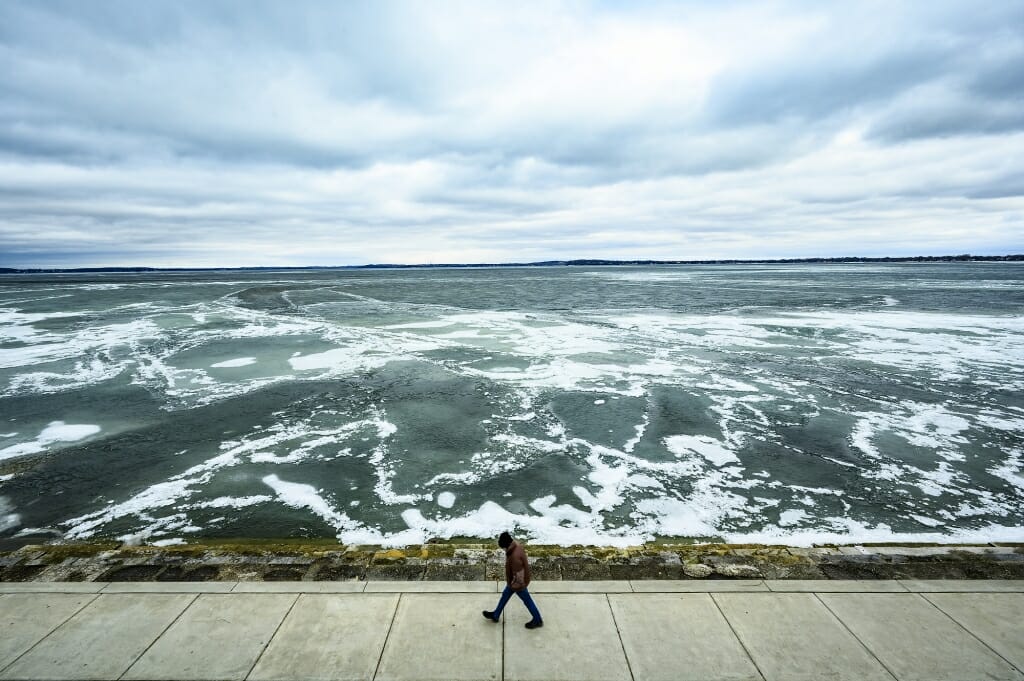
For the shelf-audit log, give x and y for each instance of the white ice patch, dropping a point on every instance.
(720, 383)
(941, 343)
(435, 324)
(17, 326)
(793, 516)
(1011, 470)
(613, 475)
(8, 518)
(234, 502)
(711, 449)
(56, 432)
(175, 494)
(675, 518)
(529, 443)
(298, 495)
(999, 422)
(363, 349)
(160, 495)
(559, 525)
(90, 341)
(849, 531)
(466, 478)
(445, 499)
(339, 358)
(639, 430)
(641, 276)
(82, 374)
(303, 439)
(232, 363)
(929, 426)
(562, 373)
(177, 541)
(925, 520)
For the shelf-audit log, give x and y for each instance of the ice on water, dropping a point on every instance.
(602, 405)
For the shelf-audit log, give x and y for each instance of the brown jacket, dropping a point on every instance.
(517, 567)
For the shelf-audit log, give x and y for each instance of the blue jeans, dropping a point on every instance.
(527, 601)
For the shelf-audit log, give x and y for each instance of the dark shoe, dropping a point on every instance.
(535, 624)
(490, 615)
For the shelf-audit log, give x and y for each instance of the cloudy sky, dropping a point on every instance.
(300, 133)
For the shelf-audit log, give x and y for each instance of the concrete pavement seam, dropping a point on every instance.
(384, 647)
(854, 635)
(158, 636)
(619, 634)
(47, 634)
(737, 635)
(271, 637)
(503, 647)
(973, 635)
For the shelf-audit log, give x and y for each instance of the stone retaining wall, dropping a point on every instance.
(228, 561)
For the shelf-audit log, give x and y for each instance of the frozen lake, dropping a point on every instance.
(608, 405)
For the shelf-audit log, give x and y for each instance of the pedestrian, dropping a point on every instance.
(517, 578)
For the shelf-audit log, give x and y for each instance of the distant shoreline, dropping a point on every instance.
(1018, 257)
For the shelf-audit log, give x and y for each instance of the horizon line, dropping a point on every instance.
(576, 262)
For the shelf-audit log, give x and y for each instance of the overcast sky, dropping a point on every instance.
(295, 133)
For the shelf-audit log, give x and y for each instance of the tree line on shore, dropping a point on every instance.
(966, 257)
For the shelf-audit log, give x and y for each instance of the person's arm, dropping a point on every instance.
(517, 569)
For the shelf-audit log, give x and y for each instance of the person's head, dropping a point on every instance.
(505, 540)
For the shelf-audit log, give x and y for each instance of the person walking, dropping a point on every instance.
(517, 578)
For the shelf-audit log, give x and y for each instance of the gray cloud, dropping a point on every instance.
(200, 133)
(806, 92)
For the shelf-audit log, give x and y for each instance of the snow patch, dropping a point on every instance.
(792, 517)
(177, 541)
(55, 432)
(231, 363)
(711, 449)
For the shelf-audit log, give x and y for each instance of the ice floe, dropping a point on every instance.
(711, 449)
(232, 363)
(53, 434)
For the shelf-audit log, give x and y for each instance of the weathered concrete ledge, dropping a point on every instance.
(319, 561)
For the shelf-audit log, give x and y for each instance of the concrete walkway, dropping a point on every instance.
(701, 630)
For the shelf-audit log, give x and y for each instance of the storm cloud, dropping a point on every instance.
(315, 133)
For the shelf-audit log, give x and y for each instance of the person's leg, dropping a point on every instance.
(530, 605)
(496, 614)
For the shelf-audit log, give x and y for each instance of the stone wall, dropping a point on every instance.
(248, 561)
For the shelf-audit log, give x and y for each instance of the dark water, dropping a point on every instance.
(594, 405)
